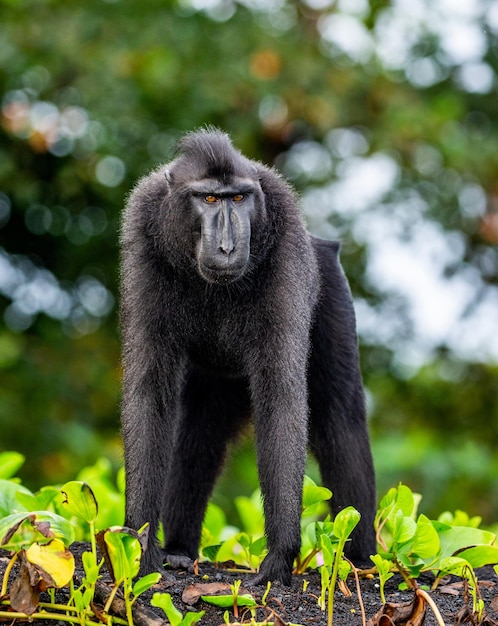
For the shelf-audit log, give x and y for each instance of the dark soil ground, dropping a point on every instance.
(298, 604)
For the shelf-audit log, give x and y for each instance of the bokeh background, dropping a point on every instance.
(383, 114)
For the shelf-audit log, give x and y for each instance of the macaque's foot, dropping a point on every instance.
(179, 561)
(152, 561)
(273, 569)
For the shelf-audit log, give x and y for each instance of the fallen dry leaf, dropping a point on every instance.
(24, 593)
(451, 590)
(486, 584)
(193, 592)
(400, 614)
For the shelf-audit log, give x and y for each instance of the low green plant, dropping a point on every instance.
(415, 544)
(215, 531)
(122, 549)
(247, 547)
(314, 507)
(234, 600)
(38, 528)
(266, 593)
(254, 549)
(333, 538)
(460, 567)
(15, 497)
(412, 544)
(384, 570)
(40, 540)
(175, 617)
(79, 501)
(10, 463)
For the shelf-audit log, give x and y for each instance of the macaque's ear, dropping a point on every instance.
(169, 177)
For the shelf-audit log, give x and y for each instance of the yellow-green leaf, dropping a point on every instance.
(79, 500)
(124, 552)
(54, 559)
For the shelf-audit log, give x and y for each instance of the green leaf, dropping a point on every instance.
(226, 601)
(344, 569)
(192, 618)
(453, 565)
(80, 501)
(456, 538)
(10, 462)
(312, 493)
(405, 500)
(250, 511)
(403, 528)
(124, 551)
(79, 600)
(383, 566)
(479, 556)
(244, 540)
(398, 499)
(388, 499)
(163, 601)
(145, 583)
(20, 530)
(459, 518)
(345, 522)
(214, 521)
(328, 550)
(211, 552)
(258, 546)
(326, 527)
(8, 497)
(91, 567)
(426, 542)
(41, 501)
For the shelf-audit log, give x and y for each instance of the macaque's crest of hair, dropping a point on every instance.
(212, 153)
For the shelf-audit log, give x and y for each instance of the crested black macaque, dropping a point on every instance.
(231, 310)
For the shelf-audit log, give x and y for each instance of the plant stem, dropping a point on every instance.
(301, 566)
(111, 596)
(333, 580)
(92, 539)
(129, 614)
(67, 608)
(412, 584)
(432, 604)
(378, 534)
(8, 569)
(358, 591)
(58, 607)
(42, 615)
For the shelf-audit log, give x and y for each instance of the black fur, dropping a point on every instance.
(214, 336)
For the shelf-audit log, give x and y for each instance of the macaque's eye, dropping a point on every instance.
(239, 197)
(210, 199)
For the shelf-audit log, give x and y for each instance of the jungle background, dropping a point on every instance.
(383, 114)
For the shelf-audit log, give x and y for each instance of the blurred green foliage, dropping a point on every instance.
(386, 127)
